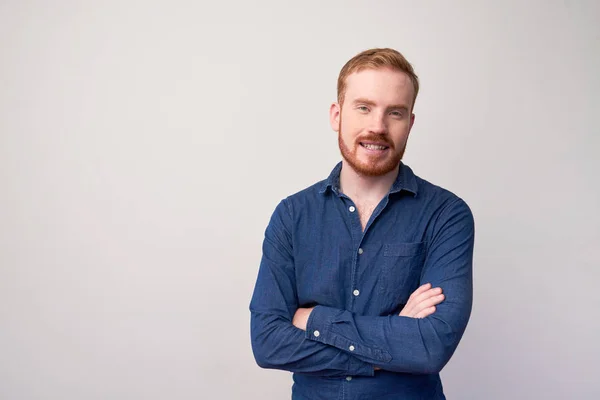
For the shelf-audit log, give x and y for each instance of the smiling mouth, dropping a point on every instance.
(371, 146)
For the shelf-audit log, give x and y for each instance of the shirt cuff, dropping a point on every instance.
(319, 324)
(320, 328)
(358, 367)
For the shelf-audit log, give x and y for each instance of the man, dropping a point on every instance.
(365, 284)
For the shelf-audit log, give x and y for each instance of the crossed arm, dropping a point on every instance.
(332, 342)
(421, 304)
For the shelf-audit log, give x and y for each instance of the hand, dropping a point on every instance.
(422, 302)
(301, 317)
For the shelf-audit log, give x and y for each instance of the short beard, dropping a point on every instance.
(372, 169)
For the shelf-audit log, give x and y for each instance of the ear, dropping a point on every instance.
(334, 116)
(412, 122)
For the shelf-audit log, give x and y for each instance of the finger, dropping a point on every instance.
(430, 302)
(410, 304)
(427, 303)
(421, 294)
(420, 290)
(427, 294)
(426, 312)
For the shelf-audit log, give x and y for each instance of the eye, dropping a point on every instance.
(363, 109)
(397, 114)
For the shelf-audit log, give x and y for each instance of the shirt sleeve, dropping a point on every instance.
(412, 345)
(276, 342)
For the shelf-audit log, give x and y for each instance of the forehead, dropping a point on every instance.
(382, 85)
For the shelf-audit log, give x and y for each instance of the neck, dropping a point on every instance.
(361, 187)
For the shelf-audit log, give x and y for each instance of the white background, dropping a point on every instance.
(144, 145)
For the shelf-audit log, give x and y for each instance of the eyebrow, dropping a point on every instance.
(372, 103)
(363, 101)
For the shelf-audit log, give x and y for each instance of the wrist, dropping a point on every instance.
(301, 317)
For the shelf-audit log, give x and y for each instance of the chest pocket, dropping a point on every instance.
(401, 270)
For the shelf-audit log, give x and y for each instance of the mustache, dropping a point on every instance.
(377, 139)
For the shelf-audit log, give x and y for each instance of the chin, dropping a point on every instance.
(371, 170)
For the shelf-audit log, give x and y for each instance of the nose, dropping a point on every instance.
(377, 124)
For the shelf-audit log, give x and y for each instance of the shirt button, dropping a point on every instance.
(360, 251)
(348, 378)
(317, 333)
(356, 292)
(352, 208)
(351, 348)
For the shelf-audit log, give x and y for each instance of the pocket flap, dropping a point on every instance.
(403, 249)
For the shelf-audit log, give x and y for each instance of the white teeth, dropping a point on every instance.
(374, 147)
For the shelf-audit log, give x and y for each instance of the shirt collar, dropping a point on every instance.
(405, 180)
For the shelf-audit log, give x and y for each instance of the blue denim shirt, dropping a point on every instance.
(315, 253)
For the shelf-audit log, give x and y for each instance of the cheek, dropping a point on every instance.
(401, 135)
(351, 124)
